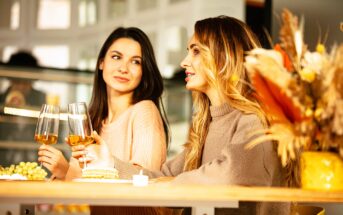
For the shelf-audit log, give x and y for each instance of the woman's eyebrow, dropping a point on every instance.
(117, 52)
(191, 46)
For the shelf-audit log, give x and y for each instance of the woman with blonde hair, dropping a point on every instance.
(225, 116)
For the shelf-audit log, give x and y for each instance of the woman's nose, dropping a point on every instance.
(122, 68)
(185, 62)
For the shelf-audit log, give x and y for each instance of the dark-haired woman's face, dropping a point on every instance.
(122, 66)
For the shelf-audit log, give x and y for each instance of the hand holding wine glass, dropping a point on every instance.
(80, 127)
(47, 125)
(98, 154)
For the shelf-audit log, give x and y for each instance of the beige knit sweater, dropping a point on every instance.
(136, 136)
(226, 161)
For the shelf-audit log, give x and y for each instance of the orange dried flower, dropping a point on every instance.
(286, 61)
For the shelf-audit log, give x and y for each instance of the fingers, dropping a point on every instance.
(45, 147)
(48, 157)
(50, 152)
(78, 154)
(82, 158)
(47, 165)
(78, 148)
(162, 179)
(46, 160)
(54, 161)
(58, 170)
(86, 158)
(51, 149)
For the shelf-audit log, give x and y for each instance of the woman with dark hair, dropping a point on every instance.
(126, 107)
(224, 119)
(150, 86)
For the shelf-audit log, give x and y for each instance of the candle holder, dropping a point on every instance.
(140, 180)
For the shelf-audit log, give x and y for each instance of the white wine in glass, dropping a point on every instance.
(47, 125)
(80, 127)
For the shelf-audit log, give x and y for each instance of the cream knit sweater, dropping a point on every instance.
(136, 136)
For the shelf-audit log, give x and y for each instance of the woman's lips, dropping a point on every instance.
(188, 75)
(121, 79)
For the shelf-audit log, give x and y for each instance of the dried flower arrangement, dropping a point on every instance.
(300, 91)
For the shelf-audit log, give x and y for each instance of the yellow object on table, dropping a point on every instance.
(307, 210)
(321, 171)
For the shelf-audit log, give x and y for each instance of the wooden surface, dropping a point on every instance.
(163, 194)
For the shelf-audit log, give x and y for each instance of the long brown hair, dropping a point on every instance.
(223, 42)
(150, 87)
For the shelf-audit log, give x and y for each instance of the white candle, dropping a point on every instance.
(140, 180)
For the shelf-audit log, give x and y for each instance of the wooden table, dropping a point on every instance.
(202, 198)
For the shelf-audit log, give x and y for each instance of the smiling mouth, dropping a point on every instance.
(189, 74)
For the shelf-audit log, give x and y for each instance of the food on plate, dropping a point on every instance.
(23, 171)
(100, 173)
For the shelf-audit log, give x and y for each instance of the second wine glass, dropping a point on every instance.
(80, 127)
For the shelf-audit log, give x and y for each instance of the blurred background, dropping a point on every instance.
(65, 37)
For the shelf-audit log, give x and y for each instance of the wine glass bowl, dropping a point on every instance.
(74, 140)
(46, 139)
(47, 125)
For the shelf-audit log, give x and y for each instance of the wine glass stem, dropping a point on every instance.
(41, 163)
(84, 161)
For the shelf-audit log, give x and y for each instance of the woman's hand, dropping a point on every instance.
(95, 154)
(53, 160)
(162, 179)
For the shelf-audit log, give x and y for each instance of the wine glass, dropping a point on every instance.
(47, 125)
(80, 127)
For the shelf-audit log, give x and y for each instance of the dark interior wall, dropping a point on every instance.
(321, 16)
(258, 17)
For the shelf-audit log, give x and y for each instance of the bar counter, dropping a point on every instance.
(155, 194)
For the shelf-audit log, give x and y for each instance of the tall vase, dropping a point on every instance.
(321, 171)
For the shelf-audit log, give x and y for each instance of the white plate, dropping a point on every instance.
(14, 177)
(116, 181)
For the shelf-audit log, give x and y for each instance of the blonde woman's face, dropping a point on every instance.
(122, 66)
(195, 78)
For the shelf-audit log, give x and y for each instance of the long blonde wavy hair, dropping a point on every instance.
(223, 42)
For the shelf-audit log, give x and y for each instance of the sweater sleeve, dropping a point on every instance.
(148, 138)
(235, 164)
(172, 167)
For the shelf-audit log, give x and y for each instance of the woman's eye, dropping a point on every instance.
(116, 57)
(196, 51)
(138, 62)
